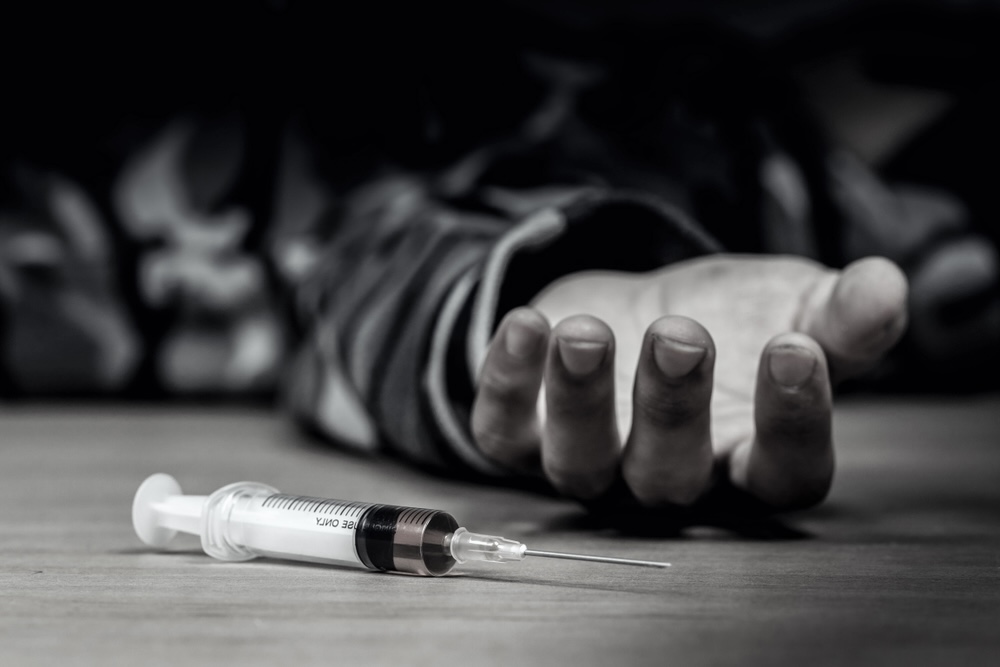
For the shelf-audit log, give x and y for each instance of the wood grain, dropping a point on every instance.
(901, 566)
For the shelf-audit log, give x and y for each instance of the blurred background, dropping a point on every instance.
(156, 219)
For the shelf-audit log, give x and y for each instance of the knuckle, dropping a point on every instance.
(504, 446)
(670, 409)
(503, 387)
(799, 424)
(588, 404)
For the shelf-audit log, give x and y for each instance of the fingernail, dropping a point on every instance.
(791, 366)
(581, 357)
(520, 340)
(675, 358)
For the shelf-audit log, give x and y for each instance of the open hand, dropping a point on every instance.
(631, 360)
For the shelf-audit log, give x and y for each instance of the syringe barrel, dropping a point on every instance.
(245, 520)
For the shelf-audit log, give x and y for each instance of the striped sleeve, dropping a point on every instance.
(369, 275)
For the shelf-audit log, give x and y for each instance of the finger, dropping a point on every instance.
(668, 457)
(859, 316)
(504, 413)
(580, 444)
(789, 462)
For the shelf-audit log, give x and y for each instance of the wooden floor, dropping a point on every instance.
(901, 566)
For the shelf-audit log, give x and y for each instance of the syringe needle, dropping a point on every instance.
(595, 559)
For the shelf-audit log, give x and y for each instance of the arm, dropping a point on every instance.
(398, 307)
(687, 425)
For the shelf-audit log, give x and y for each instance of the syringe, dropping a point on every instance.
(245, 520)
